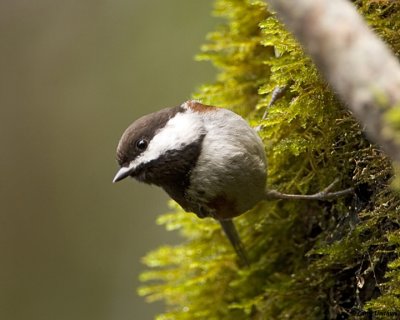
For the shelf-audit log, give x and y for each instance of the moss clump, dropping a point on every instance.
(310, 260)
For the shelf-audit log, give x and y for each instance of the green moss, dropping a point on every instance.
(309, 260)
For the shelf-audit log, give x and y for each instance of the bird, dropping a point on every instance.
(208, 159)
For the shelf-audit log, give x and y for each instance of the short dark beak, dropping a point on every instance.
(122, 174)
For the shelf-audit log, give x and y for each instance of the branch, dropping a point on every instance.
(357, 64)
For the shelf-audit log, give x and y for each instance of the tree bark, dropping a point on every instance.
(355, 62)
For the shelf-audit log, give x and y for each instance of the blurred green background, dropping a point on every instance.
(73, 75)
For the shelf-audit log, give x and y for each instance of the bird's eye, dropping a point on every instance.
(141, 144)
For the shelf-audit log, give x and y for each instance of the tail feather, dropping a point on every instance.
(230, 230)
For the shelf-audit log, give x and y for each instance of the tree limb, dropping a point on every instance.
(358, 65)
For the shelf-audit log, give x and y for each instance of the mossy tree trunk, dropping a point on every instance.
(333, 259)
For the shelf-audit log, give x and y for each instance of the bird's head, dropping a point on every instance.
(160, 145)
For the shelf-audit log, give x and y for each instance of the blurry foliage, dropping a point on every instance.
(309, 259)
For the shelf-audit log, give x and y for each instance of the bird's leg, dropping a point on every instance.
(322, 195)
(230, 231)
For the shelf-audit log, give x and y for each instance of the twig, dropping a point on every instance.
(277, 93)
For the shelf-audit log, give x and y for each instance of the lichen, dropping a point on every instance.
(309, 259)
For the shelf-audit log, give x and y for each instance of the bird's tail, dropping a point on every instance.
(230, 230)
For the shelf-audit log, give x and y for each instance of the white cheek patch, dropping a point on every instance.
(181, 130)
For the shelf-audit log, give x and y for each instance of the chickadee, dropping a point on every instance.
(208, 159)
